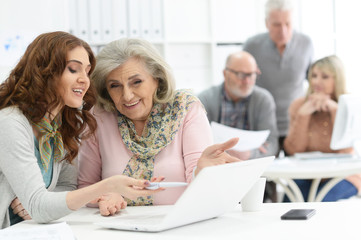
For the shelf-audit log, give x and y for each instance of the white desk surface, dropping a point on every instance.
(336, 220)
(310, 169)
(288, 169)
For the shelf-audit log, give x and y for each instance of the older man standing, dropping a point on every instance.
(240, 104)
(283, 56)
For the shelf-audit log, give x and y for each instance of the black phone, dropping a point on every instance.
(298, 214)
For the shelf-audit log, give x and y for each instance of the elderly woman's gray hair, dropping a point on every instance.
(271, 5)
(120, 51)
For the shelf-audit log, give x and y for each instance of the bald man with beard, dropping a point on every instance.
(239, 103)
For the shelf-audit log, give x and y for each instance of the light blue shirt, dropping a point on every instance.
(47, 175)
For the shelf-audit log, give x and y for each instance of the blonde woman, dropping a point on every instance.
(312, 118)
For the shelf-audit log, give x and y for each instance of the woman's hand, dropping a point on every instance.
(118, 185)
(19, 209)
(245, 155)
(157, 179)
(216, 155)
(307, 108)
(131, 187)
(318, 102)
(111, 203)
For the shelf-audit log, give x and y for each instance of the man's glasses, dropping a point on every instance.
(242, 75)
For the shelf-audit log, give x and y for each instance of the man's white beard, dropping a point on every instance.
(240, 94)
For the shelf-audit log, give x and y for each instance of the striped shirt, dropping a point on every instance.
(234, 114)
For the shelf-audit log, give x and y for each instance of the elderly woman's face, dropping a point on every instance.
(132, 88)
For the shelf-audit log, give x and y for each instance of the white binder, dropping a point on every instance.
(120, 16)
(94, 20)
(107, 20)
(74, 18)
(157, 19)
(145, 8)
(134, 18)
(83, 29)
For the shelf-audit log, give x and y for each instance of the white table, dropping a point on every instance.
(287, 169)
(335, 220)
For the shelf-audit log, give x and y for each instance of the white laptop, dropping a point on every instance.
(215, 191)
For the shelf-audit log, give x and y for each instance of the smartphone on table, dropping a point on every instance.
(298, 214)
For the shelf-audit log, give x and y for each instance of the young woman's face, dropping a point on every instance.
(132, 87)
(322, 81)
(74, 81)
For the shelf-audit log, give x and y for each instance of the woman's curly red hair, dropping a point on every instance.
(32, 87)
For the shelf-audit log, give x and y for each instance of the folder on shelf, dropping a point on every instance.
(94, 20)
(120, 16)
(145, 22)
(156, 20)
(134, 18)
(74, 19)
(83, 29)
(107, 20)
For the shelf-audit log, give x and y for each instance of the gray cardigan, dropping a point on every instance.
(20, 174)
(261, 114)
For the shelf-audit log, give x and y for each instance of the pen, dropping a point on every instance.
(156, 185)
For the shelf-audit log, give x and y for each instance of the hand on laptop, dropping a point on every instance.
(216, 155)
(111, 203)
(128, 187)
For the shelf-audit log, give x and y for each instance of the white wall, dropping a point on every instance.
(20, 22)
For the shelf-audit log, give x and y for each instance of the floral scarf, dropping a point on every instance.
(160, 129)
(47, 131)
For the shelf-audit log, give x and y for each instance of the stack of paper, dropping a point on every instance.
(248, 140)
(57, 231)
(321, 155)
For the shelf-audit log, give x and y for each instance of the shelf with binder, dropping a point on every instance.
(134, 18)
(186, 32)
(120, 18)
(79, 19)
(106, 28)
(95, 20)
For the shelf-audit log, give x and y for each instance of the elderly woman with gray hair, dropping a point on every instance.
(145, 127)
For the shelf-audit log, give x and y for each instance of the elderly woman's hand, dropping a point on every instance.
(19, 209)
(216, 155)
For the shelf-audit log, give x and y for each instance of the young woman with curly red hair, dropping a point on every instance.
(44, 111)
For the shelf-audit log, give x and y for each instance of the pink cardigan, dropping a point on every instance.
(106, 155)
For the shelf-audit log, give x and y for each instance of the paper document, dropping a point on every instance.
(321, 155)
(56, 231)
(248, 140)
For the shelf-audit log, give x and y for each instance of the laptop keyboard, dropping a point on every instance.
(142, 219)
